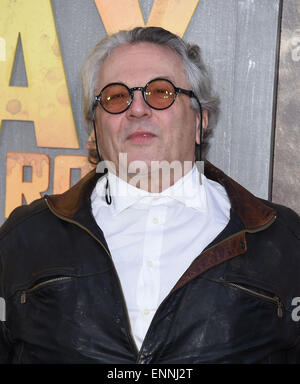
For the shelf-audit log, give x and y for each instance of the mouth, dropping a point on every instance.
(141, 137)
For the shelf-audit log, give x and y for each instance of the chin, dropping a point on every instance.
(139, 164)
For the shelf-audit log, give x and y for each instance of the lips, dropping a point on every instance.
(141, 136)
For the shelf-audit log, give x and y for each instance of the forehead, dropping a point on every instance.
(136, 64)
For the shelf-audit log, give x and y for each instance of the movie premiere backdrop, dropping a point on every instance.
(43, 44)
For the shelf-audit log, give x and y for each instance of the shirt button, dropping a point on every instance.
(155, 220)
(146, 311)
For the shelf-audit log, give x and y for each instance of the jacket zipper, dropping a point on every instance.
(274, 299)
(114, 269)
(24, 293)
(279, 311)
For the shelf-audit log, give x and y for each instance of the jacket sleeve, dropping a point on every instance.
(5, 345)
(293, 355)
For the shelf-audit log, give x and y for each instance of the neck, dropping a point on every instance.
(158, 177)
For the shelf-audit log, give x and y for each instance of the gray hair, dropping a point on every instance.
(196, 72)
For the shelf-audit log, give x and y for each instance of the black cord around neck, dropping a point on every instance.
(107, 193)
(108, 198)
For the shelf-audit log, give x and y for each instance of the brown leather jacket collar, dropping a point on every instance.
(252, 211)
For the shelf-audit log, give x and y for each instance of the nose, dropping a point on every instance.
(138, 107)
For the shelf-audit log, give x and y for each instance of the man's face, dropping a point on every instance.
(141, 132)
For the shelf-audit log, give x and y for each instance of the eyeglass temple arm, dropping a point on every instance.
(191, 94)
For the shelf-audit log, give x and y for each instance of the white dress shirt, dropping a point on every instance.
(154, 237)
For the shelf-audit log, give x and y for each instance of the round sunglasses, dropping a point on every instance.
(158, 94)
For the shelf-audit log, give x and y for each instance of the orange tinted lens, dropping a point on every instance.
(160, 94)
(115, 98)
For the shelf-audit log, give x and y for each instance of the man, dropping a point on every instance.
(151, 261)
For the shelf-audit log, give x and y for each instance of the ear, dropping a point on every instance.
(204, 125)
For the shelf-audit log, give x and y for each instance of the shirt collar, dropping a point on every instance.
(188, 190)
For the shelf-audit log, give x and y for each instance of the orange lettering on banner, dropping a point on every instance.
(16, 187)
(174, 15)
(63, 164)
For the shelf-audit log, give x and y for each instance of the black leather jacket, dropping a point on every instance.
(64, 302)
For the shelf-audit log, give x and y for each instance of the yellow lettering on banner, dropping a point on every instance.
(174, 15)
(63, 164)
(2, 49)
(16, 187)
(46, 100)
(117, 15)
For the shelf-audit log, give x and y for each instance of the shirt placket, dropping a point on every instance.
(148, 285)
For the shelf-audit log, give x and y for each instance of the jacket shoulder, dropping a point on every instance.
(286, 217)
(21, 214)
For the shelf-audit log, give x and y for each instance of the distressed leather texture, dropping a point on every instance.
(64, 302)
